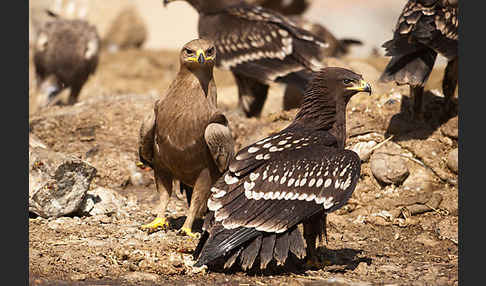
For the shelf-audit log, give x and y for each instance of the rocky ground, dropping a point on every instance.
(400, 226)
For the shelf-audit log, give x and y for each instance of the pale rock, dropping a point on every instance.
(57, 182)
(389, 169)
(103, 201)
(453, 160)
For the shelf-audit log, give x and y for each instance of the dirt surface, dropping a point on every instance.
(386, 235)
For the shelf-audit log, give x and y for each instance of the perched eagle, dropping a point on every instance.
(65, 55)
(259, 46)
(424, 28)
(297, 175)
(187, 138)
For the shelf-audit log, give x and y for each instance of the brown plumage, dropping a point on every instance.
(187, 138)
(65, 55)
(336, 48)
(297, 175)
(259, 46)
(424, 28)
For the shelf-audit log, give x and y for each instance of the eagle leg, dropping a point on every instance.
(74, 94)
(313, 228)
(199, 198)
(449, 83)
(163, 182)
(158, 222)
(416, 93)
(251, 95)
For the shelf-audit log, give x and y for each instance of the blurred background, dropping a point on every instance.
(371, 21)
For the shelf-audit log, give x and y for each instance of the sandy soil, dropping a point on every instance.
(365, 245)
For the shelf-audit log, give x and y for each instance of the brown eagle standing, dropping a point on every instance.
(65, 55)
(295, 176)
(259, 46)
(187, 138)
(424, 28)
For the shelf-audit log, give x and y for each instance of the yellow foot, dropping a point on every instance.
(315, 263)
(142, 166)
(187, 231)
(157, 223)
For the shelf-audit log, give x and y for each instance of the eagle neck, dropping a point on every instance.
(204, 75)
(320, 111)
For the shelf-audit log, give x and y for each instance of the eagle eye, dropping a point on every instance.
(188, 51)
(210, 51)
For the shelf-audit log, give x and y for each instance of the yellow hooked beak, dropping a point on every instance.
(361, 86)
(200, 57)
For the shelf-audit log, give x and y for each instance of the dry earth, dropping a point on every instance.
(403, 234)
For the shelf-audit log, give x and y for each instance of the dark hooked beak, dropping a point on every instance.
(166, 2)
(201, 59)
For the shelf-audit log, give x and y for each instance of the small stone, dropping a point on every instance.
(450, 128)
(103, 201)
(141, 276)
(421, 180)
(389, 169)
(361, 269)
(453, 160)
(79, 277)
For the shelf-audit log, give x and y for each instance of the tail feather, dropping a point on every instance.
(348, 42)
(246, 245)
(231, 260)
(221, 241)
(281, 250)
(413, 69)
(344, 44)
(250, 253)
(296, 243)
(266, 253)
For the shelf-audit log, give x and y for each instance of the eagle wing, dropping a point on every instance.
(260, 43)
(276, 183)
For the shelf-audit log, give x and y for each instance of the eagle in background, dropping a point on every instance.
(297, 175)
(259, 46)
(424, 29)
(65, 55)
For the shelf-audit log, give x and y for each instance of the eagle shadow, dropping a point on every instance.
(175, 223)
(403, 127)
